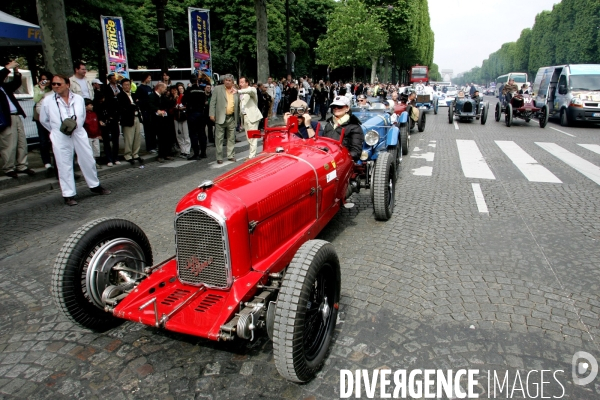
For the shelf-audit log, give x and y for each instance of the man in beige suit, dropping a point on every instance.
(223, 111)
(251, 114)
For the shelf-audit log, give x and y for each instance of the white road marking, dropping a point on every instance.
(416, 148)
(581, 165)
(423, 171)
(558, 130)
(175, 164)
(533, 171)
(479, 199)
(472, 161)
(455, 125)
(592, 147)
(427, 156)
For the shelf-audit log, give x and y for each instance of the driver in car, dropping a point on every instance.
(509, 90)
(342, 119)
(306, 127)
(362, 102)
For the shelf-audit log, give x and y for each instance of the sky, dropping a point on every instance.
(468, 31)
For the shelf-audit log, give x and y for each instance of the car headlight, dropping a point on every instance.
(372, 138)
(576, 102)
(364, 155)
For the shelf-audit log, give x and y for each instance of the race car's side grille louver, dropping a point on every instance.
(201, 249)
(207, 302)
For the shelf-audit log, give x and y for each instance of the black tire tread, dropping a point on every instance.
(380, 183)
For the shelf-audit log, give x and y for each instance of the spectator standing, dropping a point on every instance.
(291, 95)
(97, 85)
(80, 85)
(171, 95)
(264, 103)
(41, 90)
(322, 101)
(55, 109)
(158, 106)
(131, 122)
(111, 131)
(195, 101)
(13, 142)
(143, 92)
(270, 87)
(180, 117)
(251, 113)
(224, 111)
(207, 124)
(276, 101)
(92, 128)
(307, 89)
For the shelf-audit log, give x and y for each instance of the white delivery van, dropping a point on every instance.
(571, 91)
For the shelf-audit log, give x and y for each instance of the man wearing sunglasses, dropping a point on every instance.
(306, 127)
(342, 119)
(362, 102)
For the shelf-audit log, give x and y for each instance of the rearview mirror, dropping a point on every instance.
(562, 89)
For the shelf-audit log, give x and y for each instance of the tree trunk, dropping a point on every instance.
(373, 69)
(262, 41)
(53, 24)
(353, 73)
(386, 64)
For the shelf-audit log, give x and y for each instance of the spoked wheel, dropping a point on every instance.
(384, 187)
(543, 116)
(498, 112)
(306, 313)
(484, 114)
(508, 115)
(404, 138)
(422, 121)
(105, 252)
(450, 113)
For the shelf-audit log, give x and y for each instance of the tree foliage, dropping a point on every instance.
(570, 33)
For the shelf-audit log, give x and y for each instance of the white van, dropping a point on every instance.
(519, 77)
(572, 92)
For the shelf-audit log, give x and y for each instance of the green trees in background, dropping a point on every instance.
(399, 32)
(569, 34)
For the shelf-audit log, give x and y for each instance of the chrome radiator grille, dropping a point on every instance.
(202, 256)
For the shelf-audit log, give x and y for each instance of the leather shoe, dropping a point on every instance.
(169, 158)
(219, 161)
(100, 190)
(70, 201)
(131, 161)
(27, 171)
(140, 160)
(12, 174)
(194, 157)
(231, 159)
(203, 156)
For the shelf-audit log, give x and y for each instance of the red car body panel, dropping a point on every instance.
(287, 195)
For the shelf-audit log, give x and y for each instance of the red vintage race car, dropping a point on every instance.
(521, 106)
(246, 257)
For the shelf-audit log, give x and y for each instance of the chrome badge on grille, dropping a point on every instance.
(195, 266)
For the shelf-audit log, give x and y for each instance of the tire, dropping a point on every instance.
(71, 288)
(384, 186)
(396, 156)
(564, 118)
(543, 116)
(310, 292)
(484, 114)
(498, 112)
(450, 113)
(435, 107)
(508, 116)
(422, 121)
(404, 139)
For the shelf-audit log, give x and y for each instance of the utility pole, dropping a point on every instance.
(162, 35)
(287, 37)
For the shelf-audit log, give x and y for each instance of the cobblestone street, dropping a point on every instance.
(441, 285)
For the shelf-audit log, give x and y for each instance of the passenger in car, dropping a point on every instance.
(306, 127)
(343, 119)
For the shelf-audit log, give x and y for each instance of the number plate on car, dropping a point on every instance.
(596, 115)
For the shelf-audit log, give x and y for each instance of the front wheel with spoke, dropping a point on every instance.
(306, 311)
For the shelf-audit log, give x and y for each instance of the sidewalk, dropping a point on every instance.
(45, 180)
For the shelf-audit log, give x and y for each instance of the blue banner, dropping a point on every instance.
(200, 41)
(113, 35)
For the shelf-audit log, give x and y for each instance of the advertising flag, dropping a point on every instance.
(200, 41)
(113, 34)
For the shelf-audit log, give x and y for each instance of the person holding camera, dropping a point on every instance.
(306, 127)
(63, 114)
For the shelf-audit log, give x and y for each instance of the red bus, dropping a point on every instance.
(419, 73)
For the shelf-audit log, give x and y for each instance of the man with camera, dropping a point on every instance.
(306, 127)
(63, 114)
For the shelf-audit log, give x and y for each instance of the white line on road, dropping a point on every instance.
(558, 130)
(479, 199)
(472, 161)
(592, 147)
(423, 171)
(583, 166)
(455, 125)
(533, 171)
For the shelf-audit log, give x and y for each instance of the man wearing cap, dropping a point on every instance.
(97, 85)
(342, 119)
(306, 127)
(80, 85)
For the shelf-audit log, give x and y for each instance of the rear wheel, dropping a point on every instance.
(508, 115)
(543, 116)
(450, 113)
(484, 114)
(101, 253)
(564, 118)
(422, 121)
(306, 313)
(498, 111)
(384, 179)
(435, 106)
(404, 138)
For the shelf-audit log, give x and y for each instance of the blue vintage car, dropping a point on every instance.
(466, 108)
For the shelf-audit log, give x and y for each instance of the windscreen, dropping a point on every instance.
(585, 82)
(419, 72)
(519, 78)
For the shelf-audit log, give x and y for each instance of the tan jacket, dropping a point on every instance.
(510, 88)
(218, 105)
(76, 88)
(249, 104)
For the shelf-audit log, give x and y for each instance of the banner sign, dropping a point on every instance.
(115, 51)
(200, 40)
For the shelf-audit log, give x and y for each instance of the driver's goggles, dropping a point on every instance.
(297, 110)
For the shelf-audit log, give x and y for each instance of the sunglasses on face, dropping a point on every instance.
(56, 84)
(297, 110)
(336, 107)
